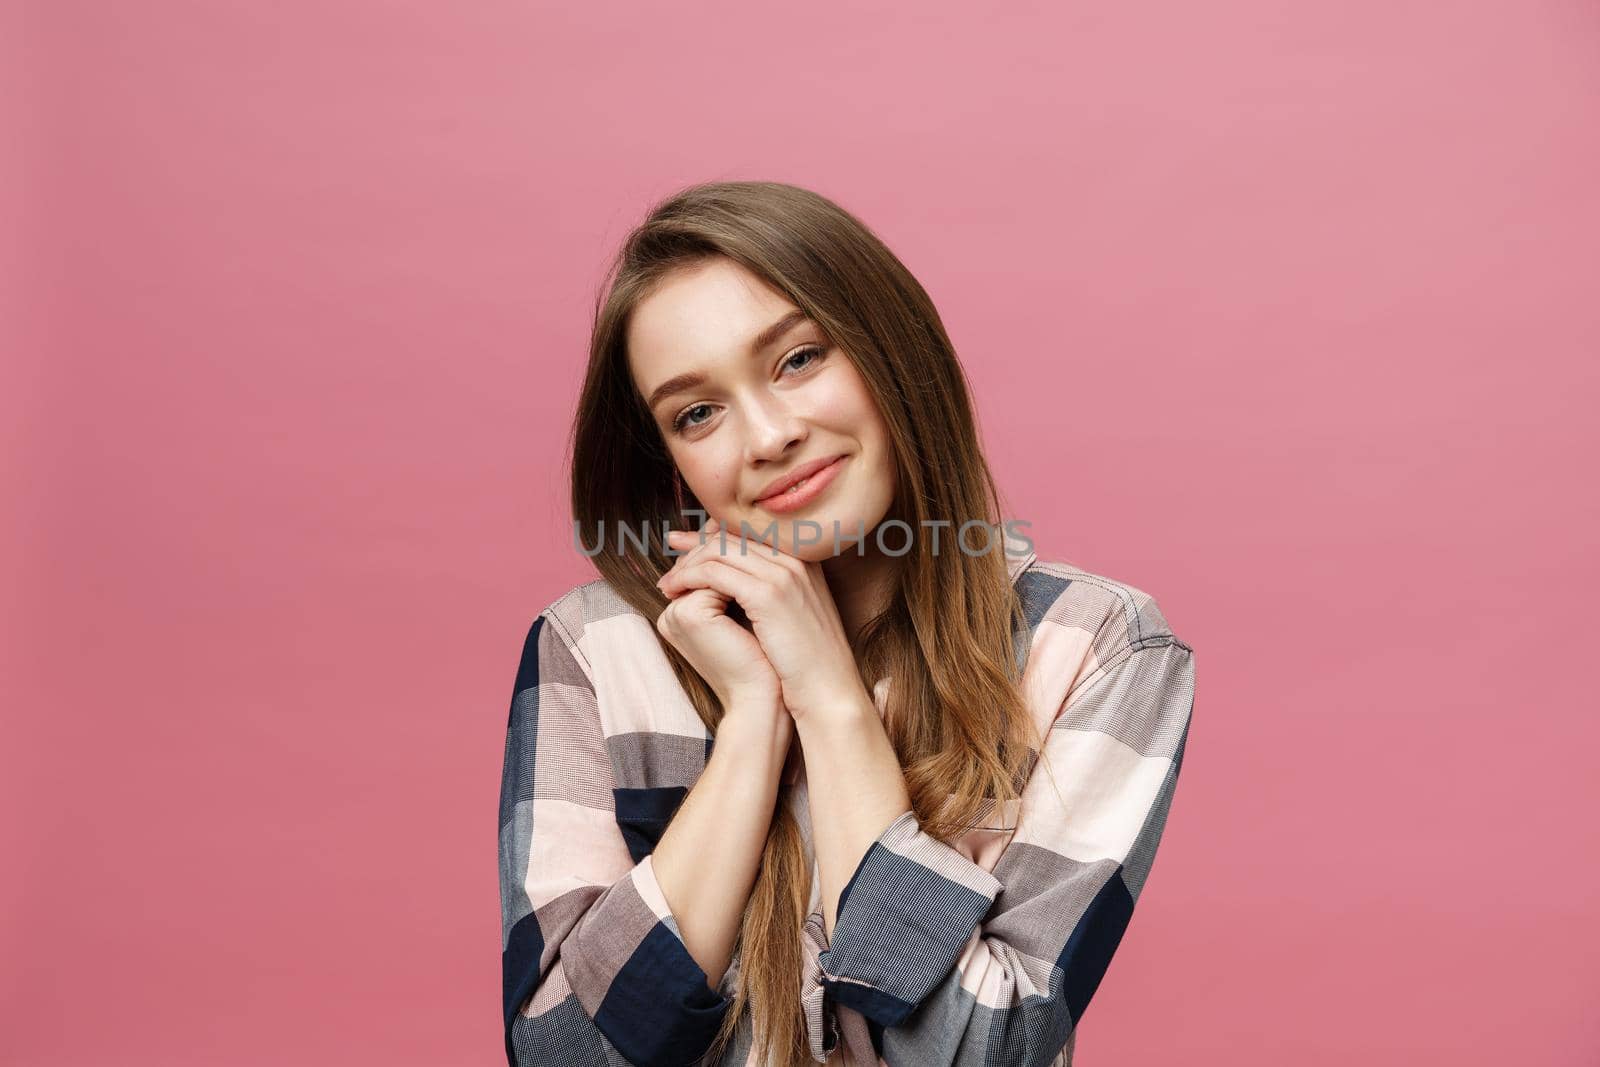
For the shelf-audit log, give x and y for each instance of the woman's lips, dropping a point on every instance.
(799, 496)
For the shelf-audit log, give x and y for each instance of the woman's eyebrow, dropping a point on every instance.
(682, 383)
(774, 333)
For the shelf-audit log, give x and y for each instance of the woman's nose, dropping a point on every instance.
(773, 428)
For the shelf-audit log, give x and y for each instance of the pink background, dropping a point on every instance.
(1282, 312)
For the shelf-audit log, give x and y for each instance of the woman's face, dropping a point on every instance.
(746, 392)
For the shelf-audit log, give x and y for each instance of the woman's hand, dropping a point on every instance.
(727, 656)
(790, 610)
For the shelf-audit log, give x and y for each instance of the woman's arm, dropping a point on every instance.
(953, 963)
(602, 960)
(708, 858)
(856, 789)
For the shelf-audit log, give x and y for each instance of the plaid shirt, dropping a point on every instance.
(971, 951)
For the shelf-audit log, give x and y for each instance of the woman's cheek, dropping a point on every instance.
(713, 481)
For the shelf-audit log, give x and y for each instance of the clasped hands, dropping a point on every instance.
(791, 611)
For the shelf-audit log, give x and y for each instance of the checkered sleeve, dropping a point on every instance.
(954, 964)
(593, 966)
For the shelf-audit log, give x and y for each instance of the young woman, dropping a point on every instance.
(847, 774)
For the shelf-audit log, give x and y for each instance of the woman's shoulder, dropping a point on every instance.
(1120, 616)
(592, 601)
(1087, 627)
(592, 619)
(617, 706)
(622, 661)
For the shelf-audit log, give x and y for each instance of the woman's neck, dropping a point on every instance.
(861, 585)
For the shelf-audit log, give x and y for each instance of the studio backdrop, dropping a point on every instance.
(1284, 313)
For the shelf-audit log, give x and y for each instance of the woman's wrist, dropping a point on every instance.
(757, 704)
(756, 722)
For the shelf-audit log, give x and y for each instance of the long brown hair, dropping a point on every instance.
(945, 641)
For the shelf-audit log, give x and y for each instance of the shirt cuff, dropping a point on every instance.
(822, 1025)
(904, 919)
(657, 1007)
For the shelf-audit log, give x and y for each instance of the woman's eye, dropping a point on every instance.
(798, 360)
(683, 422)
(815, 351)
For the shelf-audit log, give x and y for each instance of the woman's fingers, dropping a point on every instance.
(756, 558)
(680, 540)
(716, 573)
(700, 604)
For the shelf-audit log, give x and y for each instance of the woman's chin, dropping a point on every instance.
(843, 539)
(817, 553)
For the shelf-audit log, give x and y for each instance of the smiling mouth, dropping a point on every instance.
(800, 485)
(793, 489)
